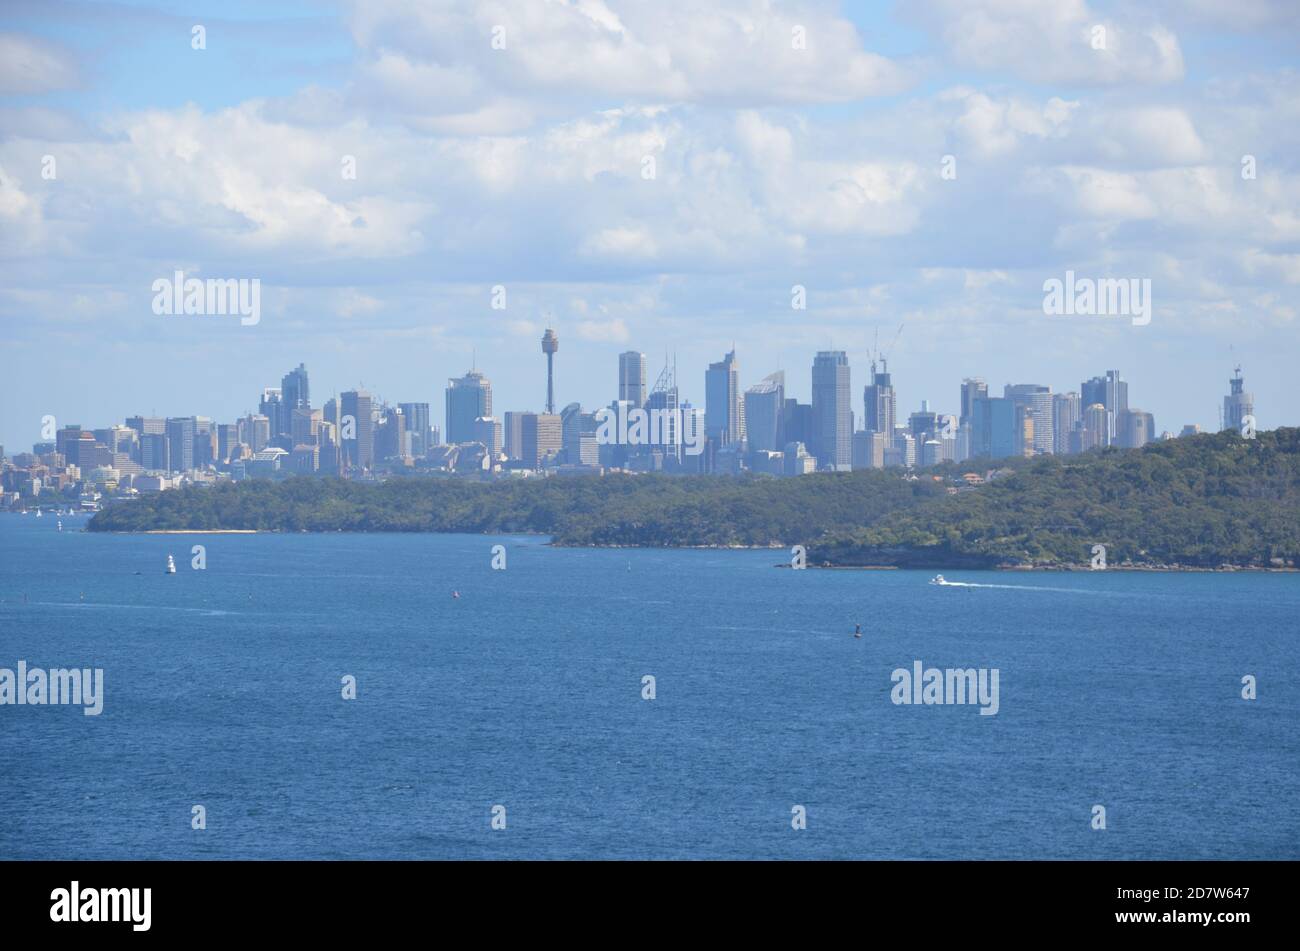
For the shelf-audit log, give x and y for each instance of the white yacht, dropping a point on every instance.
(938, 579)
(171, 565)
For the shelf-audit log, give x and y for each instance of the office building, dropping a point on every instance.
(180, 443)
(468, 398)
(417, 427)
(631, 378)
(722, 407)
(1238, 404)
(832, 412)
(880, 405)
(1035, 402)
(972, 388)
(543, 438)
(764, 409)
(357, 435)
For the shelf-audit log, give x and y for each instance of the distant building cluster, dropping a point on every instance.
(354, 435)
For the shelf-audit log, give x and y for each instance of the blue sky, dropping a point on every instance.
(524, 167)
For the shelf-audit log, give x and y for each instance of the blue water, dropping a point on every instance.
(222, 688)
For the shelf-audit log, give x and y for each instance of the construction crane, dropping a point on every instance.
(880, 356)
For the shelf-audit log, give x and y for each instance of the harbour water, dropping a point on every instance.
(223, 688)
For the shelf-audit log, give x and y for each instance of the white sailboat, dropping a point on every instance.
(171, 565)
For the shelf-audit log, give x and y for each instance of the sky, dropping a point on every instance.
(659, 177)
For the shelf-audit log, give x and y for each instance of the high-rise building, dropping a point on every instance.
(255, 431)
(180, 443)
(1066, 413)
(390, 437)
(579, 436)
(512, 435)
(1111, 391)
(869, 449)
(764, 413)
(468, 398)
(64, 442)
(1238, 404)
(1036, 402)
(1095, 432)
(722, 412)
(204, 442)
(542, 437)
(880, 404)
(972, 389)
(631, 378)
(924, 423)
(994, 427)
(1139, 428)
(797, 422)
(832, 412)
(550, 344)
(357, 430)
(227, 440)
(417, 427)
(294, 395)
(487, 430)
(270, 406)
(664, 399)
(153, 453)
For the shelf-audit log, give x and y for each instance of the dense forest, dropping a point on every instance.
(1206, 500)
(1203, 501)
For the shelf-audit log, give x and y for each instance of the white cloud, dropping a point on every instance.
(1052, 42)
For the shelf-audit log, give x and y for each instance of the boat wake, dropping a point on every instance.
(1011, 587)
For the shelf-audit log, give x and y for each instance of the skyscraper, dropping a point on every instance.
(664, 398)
(1066, 414)
(880, 407)
(972, 388)
(468, 398)
(512, 435)
(487, 430)
(993, 427)
(1238, 404)
(543, 438)
(180, 444)
(1036, 401)
(722, 413)
(550, 344)
(417, 427)
(1096, 433)
(631, 378)
(269, 406)
(294, 395)
(764, 413)
(358, 430)
(832, 412)
(1111, 391)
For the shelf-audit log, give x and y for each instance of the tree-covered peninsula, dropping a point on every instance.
(1202, 501)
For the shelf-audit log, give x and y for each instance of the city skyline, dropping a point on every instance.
(355, 434)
